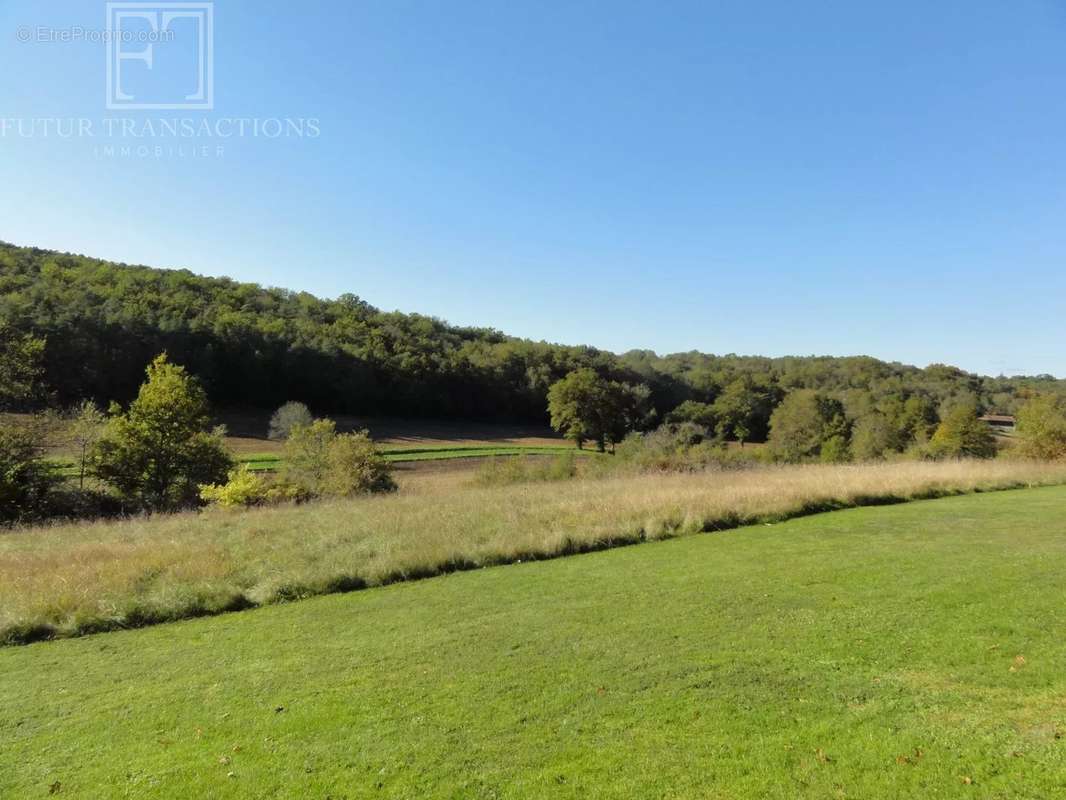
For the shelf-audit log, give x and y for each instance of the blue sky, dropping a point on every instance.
(768, 177)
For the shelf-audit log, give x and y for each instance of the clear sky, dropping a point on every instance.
(753, 177)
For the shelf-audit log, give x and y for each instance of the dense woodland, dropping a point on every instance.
(251, 346)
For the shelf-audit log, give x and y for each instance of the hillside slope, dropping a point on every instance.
(258, 347)
(900, 652)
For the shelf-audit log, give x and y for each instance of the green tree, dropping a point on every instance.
(742, 410)
(803, 423)
(85, 427)
(575, 404)
(919, 419)
(586, 407)
(629, 409)
(1042, 427)
(21, 367)
(962, 434)
(873, 436)
(158, 453)
(289, 416)
(355, 466)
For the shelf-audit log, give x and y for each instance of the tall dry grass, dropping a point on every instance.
(72, 579)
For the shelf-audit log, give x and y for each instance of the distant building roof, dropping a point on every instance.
(998, 419)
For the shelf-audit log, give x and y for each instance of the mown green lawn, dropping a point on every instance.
(914, 651)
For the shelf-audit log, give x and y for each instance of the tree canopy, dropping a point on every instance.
(82, 328)
(807, 425)
(586, 407)
(1042, 426)
(21, 369)
(290, 416)
(961, 434)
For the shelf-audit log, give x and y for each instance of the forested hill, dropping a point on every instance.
(255, 346)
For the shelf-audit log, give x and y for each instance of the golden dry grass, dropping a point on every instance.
(71, 579)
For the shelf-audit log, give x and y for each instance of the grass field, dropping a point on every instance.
(270, 462)
(247, 433)
(264, 462)
(912, 651)
(402, 440)
(81, 578)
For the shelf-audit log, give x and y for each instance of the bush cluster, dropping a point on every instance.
(32, 487)
(318, 462)
(245, 489)
(681, 447)
(26, 481)
(504, 470)
(161, 454)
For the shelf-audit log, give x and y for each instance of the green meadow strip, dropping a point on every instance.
(269, 462)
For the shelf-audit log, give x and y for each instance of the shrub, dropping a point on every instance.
(320, 462)
(667, 448)
(67, 501)
(245, 489)
(679, 448)
(354, 466)
(280, 491)
(501, 471)
(159, 453)
(307, 454)
(288, 417)
(31, 488)
(25, 478)
(702, 414)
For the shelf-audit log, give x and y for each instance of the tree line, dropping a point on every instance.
(162, 453)
(79, 328)
(807, 425)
